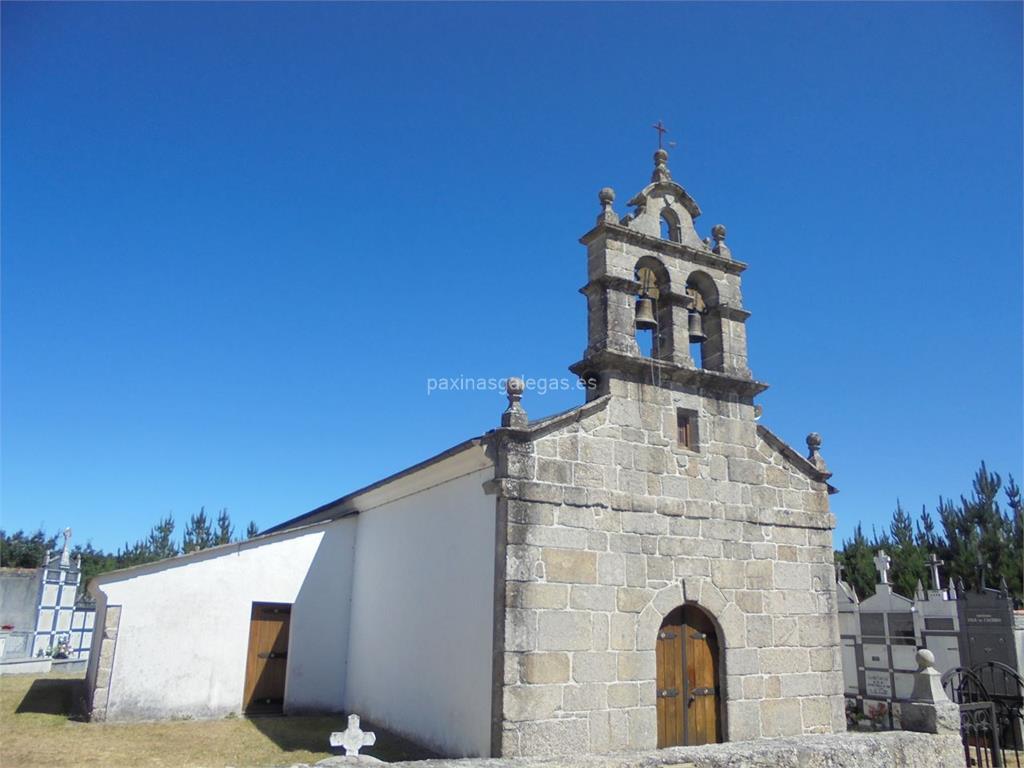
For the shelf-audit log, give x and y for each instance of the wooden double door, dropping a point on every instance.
(267, 659)
(688, 692)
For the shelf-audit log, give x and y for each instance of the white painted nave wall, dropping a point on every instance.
(184, 629)
(420, 648)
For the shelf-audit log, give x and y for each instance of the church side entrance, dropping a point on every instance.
(267, 659)
(688, 691)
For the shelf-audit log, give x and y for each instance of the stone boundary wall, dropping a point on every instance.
(895, 749)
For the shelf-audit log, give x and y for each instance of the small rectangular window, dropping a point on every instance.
(686, 422)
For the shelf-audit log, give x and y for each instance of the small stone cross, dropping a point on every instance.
(882, 561)
(353, 738)
(934, 563)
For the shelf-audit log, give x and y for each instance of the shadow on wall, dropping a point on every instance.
(318, 653)
(62, 696)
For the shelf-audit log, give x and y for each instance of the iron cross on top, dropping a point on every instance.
(662, 130)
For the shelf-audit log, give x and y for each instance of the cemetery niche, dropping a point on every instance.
(44, 618)
(970, 631)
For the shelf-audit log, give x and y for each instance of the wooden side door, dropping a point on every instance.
(700, 652)
(267, 659)
(670, 680)
(688, 705)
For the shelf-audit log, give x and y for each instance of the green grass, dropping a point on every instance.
(38, 729)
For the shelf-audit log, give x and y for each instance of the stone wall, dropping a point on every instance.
(611, 525)
(846, 750)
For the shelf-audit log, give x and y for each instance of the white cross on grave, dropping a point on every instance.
(934, 562)
(882, 561)
(353, 738)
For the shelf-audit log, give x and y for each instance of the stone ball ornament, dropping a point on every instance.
(925, 658)
(814, 440)
(606, 196)
(515, 386)
(718, 232)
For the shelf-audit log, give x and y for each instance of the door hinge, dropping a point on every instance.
(273, 655)
(668, 693)
(698, 635)
(702, 692)
(667, 635)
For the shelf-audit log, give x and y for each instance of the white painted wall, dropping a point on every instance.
(184, 631)
(420, 642)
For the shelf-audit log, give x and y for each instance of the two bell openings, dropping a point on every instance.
(648, 315)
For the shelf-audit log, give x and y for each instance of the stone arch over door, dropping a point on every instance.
(690, 699)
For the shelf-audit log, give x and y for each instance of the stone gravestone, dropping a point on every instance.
(986, 624)
(353, 738)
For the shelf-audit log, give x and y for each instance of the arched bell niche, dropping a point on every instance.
(650, 318)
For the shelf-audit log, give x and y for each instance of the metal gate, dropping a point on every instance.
(991, 700)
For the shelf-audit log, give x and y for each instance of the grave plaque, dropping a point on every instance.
(877, 684)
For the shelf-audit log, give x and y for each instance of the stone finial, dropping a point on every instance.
(718, 233)
(929, 709)
(919, 591)
(927, 679)
(606, 197)
(813, 452)
(353, 738)
(514, 416)
(661, 172)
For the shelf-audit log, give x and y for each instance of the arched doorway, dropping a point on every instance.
(689, 699)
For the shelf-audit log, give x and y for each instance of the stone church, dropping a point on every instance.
(650, 568)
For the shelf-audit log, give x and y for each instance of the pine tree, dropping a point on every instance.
(198, 533)
(252, 531)
(94, 562)
(225, 531)
(908, 558)
(21, 550)
(927, 538)
(857, 558)
(959, 547)
(968, 534)
(133, 554)
(161, 542)
(1015, 545)
(992, 524)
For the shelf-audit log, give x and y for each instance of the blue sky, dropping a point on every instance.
(238, 239)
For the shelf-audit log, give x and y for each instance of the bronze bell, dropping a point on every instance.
(645, 314)
(696, 327)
